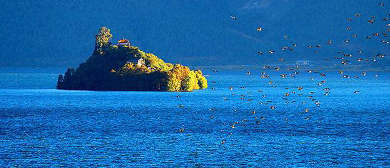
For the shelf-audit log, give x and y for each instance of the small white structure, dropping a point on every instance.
(136, 61)
(140, 62)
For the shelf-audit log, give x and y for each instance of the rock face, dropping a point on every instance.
(127, 68)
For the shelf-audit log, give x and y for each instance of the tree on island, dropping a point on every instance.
(103, 39)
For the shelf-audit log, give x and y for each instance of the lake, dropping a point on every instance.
(241, 120)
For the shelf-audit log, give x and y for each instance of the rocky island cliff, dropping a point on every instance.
(122, 67)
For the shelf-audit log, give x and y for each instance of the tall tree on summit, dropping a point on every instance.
(103, 39)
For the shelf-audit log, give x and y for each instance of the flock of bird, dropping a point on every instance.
(342, 58)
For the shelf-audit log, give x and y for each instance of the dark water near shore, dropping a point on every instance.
(41, 126)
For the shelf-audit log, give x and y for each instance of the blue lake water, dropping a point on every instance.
(41, 126)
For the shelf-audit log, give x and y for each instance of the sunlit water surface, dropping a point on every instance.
(42, 126)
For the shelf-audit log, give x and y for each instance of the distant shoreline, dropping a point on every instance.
(283, 67)
(227, 67)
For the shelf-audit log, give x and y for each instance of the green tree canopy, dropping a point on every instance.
(103, 39)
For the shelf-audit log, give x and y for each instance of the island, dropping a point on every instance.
(123, 67)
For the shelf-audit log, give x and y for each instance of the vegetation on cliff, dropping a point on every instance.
(126, 67)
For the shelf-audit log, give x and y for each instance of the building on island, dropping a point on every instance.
(123, 42)
(140, 62)
(137, 61)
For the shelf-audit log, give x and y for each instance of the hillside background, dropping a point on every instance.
(61, 33)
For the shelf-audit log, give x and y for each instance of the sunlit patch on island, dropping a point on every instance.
(124, 67)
